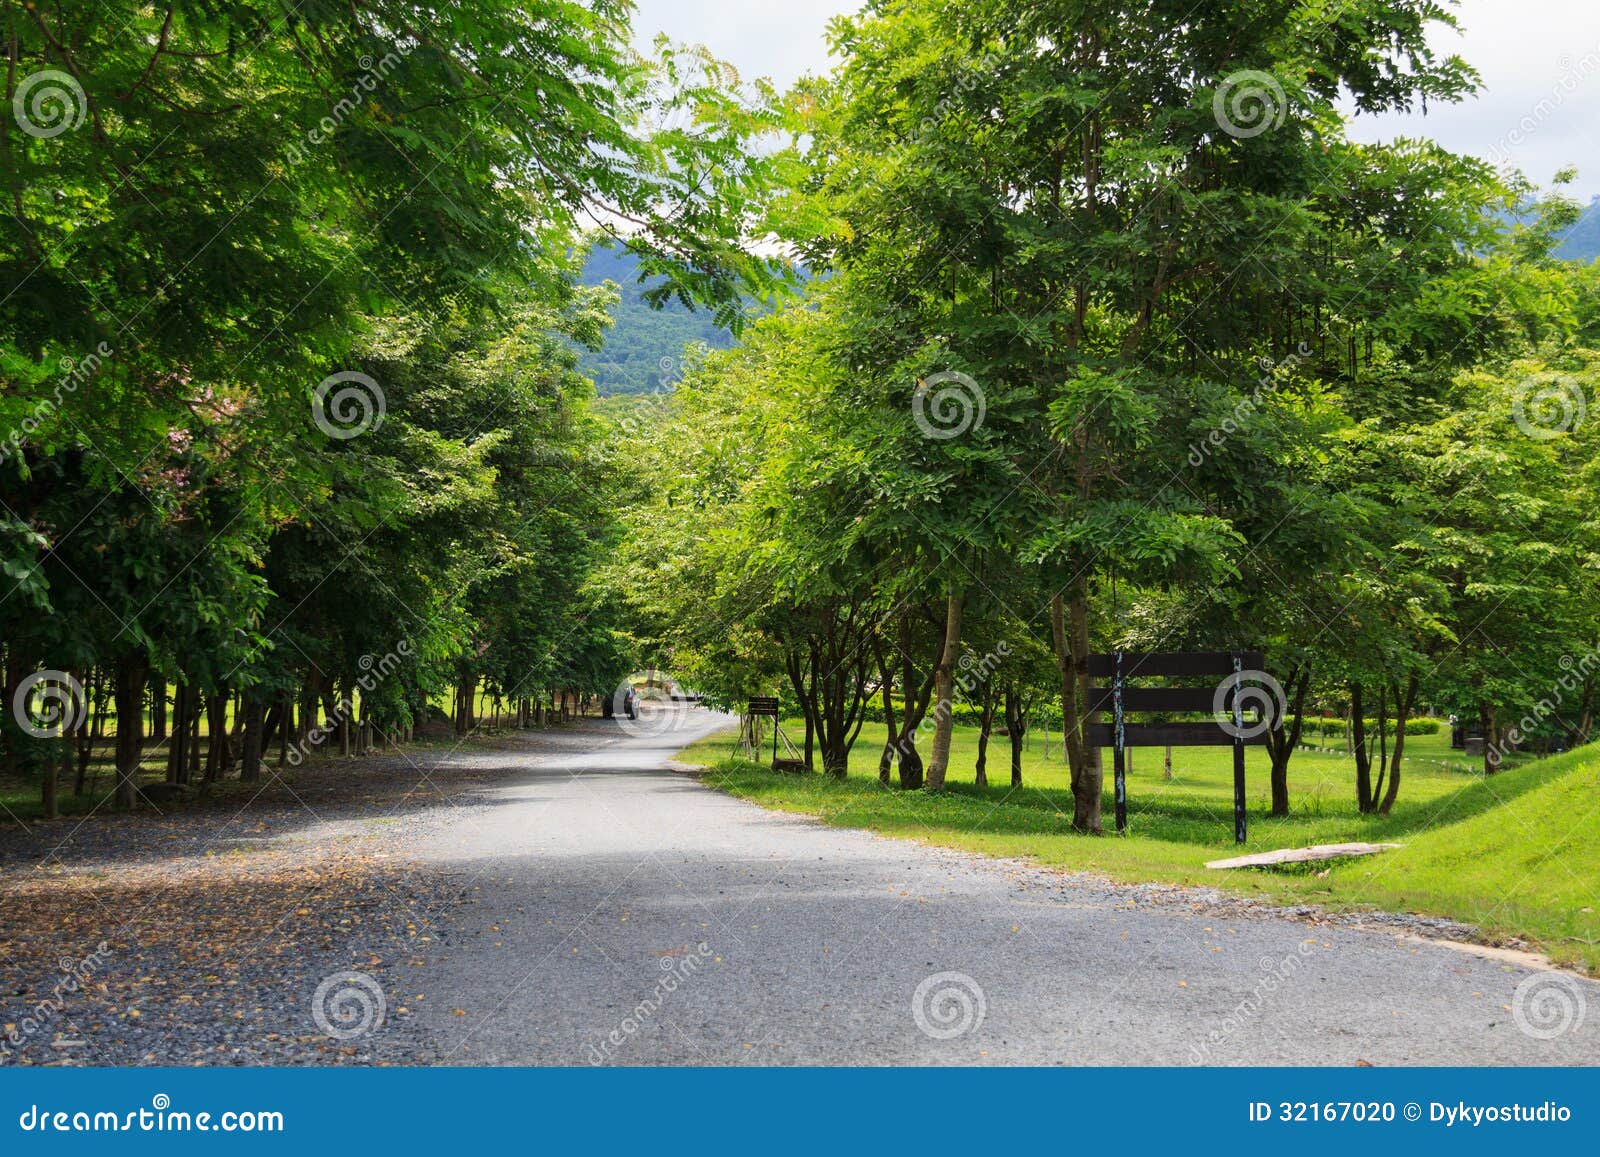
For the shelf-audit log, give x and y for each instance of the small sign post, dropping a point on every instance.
(1119, 699)
(1239, 819)
(766, 705)
(1120, 768)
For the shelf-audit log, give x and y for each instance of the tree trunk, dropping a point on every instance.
(1358, 748)
(158, 708)
(307, 716)
(273, 724)
(801, 668)
(102, 694)
(914, 705)
(329, 716)
(217, 756)
(85, 741)
(1281, 741)
(178, 744)
(1093, 763)
(59, 752)
(985, 727)
(1383, 740)
(1069, 627)
(345, 711)
(130, 681)
(1404, 702)
(466, 706)
(1491, 738)
(944, 683)
(886, 686)
(10, 741)
(1016, 732)
(82, 737)
(251, 747)
(196, 703)
(1581, 733)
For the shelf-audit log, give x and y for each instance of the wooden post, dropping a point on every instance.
(1120, 733)
(1239, 820)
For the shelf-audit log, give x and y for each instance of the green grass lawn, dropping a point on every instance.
(1517, 854)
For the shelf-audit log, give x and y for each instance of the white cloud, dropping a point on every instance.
(1527, 51)
(1539, 105)
(779, 39)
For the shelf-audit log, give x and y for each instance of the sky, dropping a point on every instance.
(1539, 61)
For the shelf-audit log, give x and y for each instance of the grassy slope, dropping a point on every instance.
(1518, 854)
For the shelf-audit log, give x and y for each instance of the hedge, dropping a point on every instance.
(967, 715)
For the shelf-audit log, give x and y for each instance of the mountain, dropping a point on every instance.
(643, 351)
(1582, 242)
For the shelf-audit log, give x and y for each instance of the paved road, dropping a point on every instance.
(621, 913)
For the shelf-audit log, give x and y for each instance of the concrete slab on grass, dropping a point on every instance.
(1301, 855)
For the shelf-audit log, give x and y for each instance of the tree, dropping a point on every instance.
(219, 208)
(1001, 190)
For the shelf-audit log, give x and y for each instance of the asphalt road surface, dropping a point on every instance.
(619, 912)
